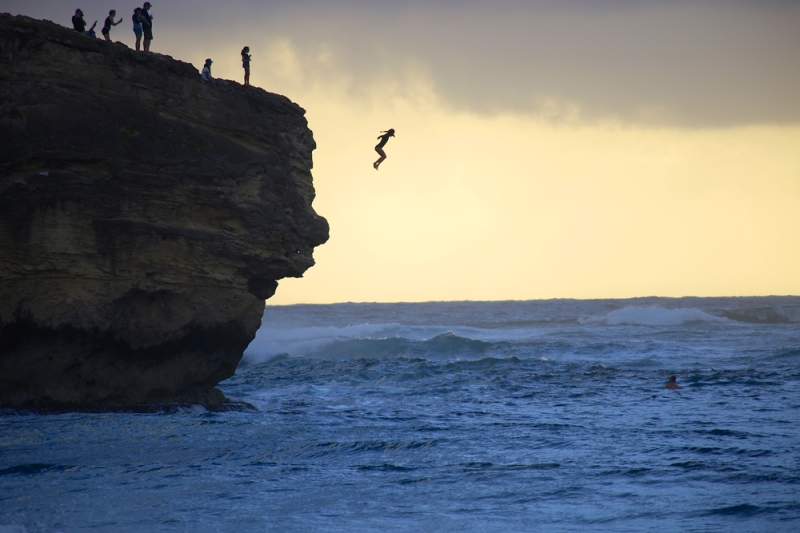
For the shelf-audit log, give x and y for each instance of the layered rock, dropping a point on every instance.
(145, 215)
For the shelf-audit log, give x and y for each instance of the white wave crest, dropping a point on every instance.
(270, 342)
(658, 316)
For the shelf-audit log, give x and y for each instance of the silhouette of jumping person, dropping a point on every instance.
(379, 147)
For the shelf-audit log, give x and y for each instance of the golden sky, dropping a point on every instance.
(544, 149)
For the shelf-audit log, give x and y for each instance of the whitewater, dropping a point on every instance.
(449, 416)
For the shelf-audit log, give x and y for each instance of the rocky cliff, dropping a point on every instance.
(145, 215)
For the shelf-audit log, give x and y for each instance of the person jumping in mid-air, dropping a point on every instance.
(379, 147)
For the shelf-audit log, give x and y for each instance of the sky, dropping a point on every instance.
(543, 149)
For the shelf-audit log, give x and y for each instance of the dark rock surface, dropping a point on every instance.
(145, 215)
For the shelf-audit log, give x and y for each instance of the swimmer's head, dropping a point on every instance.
(672, 379)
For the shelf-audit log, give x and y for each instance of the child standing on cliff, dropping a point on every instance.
(137, 26)
(110, 22)
(246, 64)
(379, 147)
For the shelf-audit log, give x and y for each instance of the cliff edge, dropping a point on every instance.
(145, 216)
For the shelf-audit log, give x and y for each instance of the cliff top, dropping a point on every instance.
(34, 33)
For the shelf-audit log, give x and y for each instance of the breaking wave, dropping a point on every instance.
(652, 316)
(366, 341)
(446, 345)
(660, 316)
(270, 342)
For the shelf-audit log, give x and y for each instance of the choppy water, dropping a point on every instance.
(466, 416)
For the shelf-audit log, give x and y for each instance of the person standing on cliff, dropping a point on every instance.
(106, 31)
(206, 74)
(147, 25)
(379, 147)
(78, 24)
(137, 26)
(246, 64)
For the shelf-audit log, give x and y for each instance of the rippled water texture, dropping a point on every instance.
(505, 416)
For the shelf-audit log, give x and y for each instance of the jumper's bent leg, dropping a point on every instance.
(377, 163)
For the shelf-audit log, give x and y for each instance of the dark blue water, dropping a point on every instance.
(502, 416)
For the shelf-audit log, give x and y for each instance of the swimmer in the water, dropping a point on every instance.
(379, 147)
(673, 384)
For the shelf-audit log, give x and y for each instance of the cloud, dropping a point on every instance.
(684, 64)
(676, 63)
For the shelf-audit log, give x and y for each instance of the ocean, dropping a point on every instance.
(449, 416)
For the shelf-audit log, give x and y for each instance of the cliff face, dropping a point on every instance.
(145, 215)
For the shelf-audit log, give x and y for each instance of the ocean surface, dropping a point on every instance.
(456, 416)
